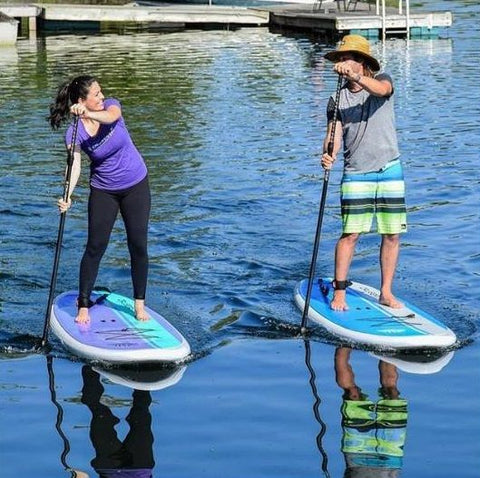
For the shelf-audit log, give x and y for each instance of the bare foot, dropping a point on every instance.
(338, 303)
(82, 317)
(140, 312)
(390, 301)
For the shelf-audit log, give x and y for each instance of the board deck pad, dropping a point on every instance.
(113, 333)
(368, 322)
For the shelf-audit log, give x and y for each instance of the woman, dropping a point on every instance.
(372, 182)
(118, 182)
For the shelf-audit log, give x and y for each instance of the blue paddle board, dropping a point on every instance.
(113, 334)
(370, 323)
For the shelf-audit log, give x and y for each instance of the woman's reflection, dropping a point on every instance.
(373, 431)
(132, 457)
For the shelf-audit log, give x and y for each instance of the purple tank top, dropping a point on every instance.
(116, 163)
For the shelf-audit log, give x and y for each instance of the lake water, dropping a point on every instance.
(231, 124)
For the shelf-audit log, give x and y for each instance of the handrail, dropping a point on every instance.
(400, 12)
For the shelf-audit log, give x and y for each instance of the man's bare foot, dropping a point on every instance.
(82, 317)
(339, 303)
(140, 312)
(390, 301)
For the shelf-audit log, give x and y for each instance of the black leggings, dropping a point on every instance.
(103, 206)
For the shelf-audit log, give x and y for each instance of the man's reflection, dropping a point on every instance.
(130, 458)
(373, 431)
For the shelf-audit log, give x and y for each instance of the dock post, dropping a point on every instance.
(32, 24)
(407, 17)
(384, 22)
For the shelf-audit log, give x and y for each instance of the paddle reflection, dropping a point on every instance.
(316, 408)
(374, 430)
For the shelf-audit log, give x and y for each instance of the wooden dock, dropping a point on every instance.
(8, 30)
(334, 19)
(326, 18)
(61, 16)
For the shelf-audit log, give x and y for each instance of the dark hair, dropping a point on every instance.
(68, 94)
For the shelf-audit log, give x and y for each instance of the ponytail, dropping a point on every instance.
(68, 94)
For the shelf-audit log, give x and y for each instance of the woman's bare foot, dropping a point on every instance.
(390, 301)
(339, 303)
(82, 317)
(140, 312)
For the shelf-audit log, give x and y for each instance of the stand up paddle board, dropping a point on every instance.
(370, 323)
(113, 334)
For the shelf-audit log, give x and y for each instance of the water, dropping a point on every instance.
(230, 124)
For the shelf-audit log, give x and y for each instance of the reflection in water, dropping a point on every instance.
(59, 420)
(131, 457)
(418, 361)
(316, 408)
(373, 431)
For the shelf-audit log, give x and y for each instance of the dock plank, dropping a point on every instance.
(164, 14)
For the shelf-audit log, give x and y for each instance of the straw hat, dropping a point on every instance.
(354, 44)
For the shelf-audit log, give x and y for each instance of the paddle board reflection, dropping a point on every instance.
(374, 431)
(131, 457)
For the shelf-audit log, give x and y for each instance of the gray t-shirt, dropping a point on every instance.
(369, 134)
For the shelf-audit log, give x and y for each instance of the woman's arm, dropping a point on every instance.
(107, 116)
(63, 206)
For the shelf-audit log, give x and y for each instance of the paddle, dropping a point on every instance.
(321, 210)
(61, 227)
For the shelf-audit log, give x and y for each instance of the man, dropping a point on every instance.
(372, 182)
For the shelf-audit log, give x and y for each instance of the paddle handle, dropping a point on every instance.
(61, 227)
(321, 210)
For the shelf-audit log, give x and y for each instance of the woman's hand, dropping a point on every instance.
(327, 161)
(64, 206)
(79, 110)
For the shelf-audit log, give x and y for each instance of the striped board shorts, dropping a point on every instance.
(379, 194)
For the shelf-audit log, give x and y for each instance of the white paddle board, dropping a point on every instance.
(370, 323)
(113, 334)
